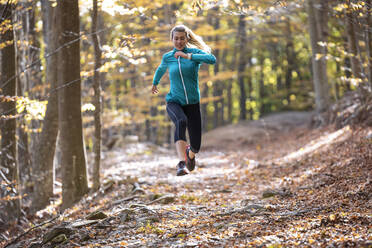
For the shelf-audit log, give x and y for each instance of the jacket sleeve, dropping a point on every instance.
(203, 57)
(162, 68)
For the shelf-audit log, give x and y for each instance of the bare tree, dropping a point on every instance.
(350, 24)
(97, 99)
(25, 53)
(217, 86)
(290, 54)
(74, 175)
(241, 66)
(42, 161)
(9, 178)
(368, 39)
(317, 15)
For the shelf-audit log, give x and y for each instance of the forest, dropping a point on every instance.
(87, 154)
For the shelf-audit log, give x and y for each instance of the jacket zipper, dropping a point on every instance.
(183, 83)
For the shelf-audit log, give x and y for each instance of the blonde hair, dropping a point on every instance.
(192, 38)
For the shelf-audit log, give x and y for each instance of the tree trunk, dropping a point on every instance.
(22, 18)
(217, 91)
(274, 49)
(34, 78)
(229, 84)
(262, 85)
(224, 89)
(116, 93)
(352, 42)
(97, 99)
(250, 86)
(42, 161)
(241, 67)
(348, 74)
(203, 108)
(74, 175)
(232, 67)
(368, 39)
(318, 33)
(24, 158)
(9, 208)
(289, 50)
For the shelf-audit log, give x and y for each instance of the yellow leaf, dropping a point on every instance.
(194, 221)
(332, 217)
(319, 56)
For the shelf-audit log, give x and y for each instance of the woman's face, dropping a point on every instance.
(179, 40)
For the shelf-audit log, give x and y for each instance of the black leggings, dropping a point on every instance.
(186, 117)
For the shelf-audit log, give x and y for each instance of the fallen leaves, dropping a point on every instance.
(321, 199)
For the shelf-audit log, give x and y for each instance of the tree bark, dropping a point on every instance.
(42, 161)
(262, 93)
(203, 108)
(217, 91)
(229, 101)
(232, 67)
(97, 99)
(274, 49)
(224, 89)
(23, 19)
(368, 38)
(241, 67)
(352, 42)
(318, 33)
(289, 50)
(74, 175)
(9, 176)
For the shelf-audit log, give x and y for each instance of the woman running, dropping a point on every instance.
(183, 99)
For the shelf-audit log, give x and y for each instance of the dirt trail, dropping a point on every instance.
(299, 187)
(244, 135)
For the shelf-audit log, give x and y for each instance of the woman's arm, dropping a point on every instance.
(203, 57)
(154, 89)
(162, 68)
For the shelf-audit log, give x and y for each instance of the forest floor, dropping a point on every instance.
(268, 183)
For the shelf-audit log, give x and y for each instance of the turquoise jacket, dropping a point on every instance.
(183, 75)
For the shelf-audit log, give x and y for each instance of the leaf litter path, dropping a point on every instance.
(316, 191)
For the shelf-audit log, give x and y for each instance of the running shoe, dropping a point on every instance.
(190, 163)
(181, 169)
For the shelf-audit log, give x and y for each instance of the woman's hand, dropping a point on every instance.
(180, 54)
(154, 89)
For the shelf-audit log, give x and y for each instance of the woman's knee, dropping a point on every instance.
(181, 123)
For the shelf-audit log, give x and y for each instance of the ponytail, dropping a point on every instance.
(193, 39)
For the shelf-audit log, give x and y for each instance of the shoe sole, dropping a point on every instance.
(182, 173)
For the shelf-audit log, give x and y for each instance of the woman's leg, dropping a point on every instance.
(181, 148)
(193, 127)
(179, 119)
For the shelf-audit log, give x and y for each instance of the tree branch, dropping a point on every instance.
(29, 230)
